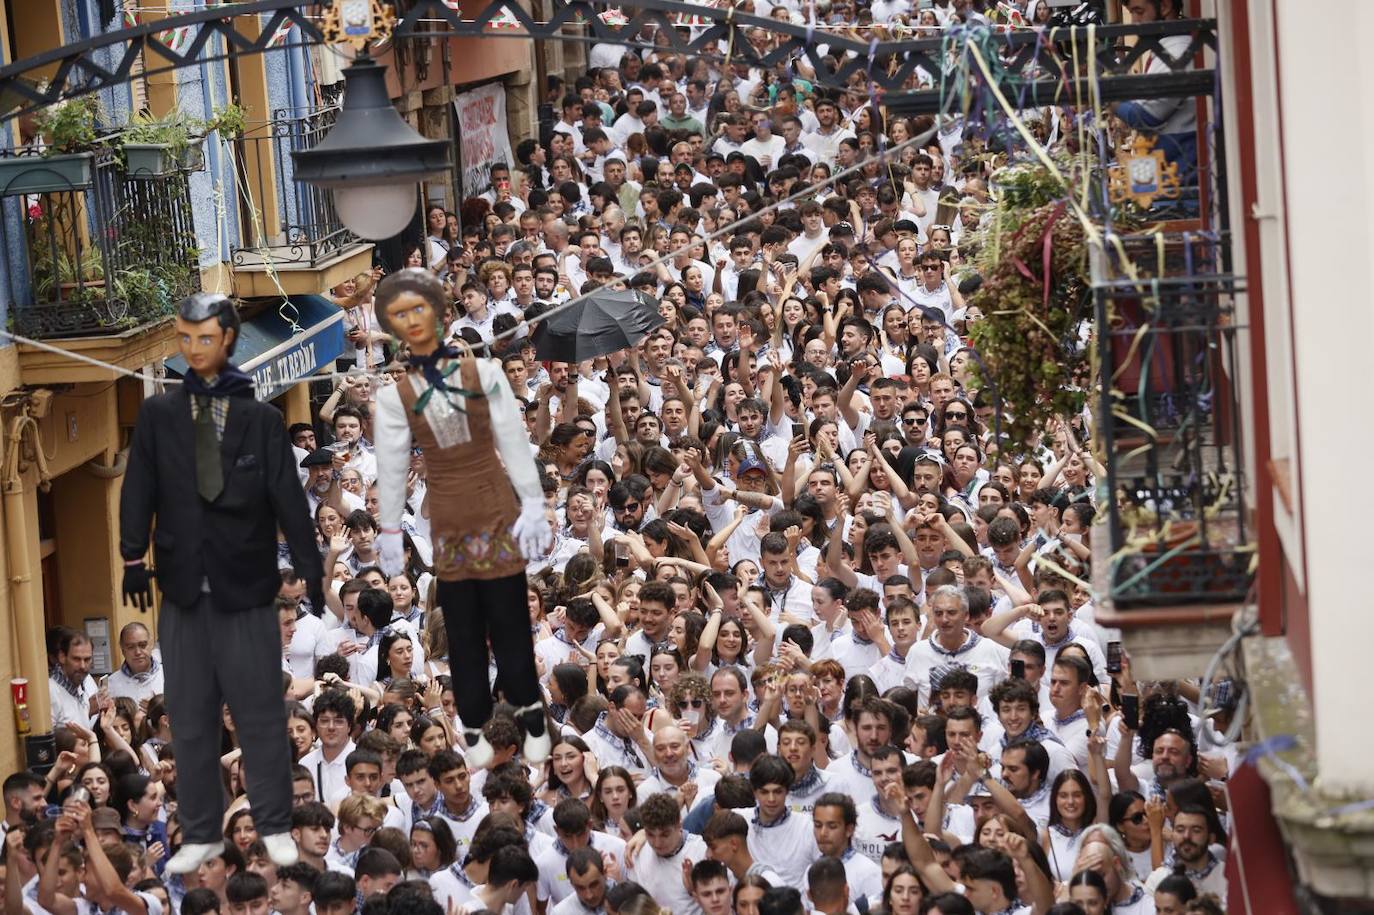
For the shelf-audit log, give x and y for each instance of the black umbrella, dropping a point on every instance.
(606, 321)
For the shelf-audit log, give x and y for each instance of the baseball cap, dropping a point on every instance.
(749, 464)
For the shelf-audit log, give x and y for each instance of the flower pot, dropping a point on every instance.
(45, 174)
(149, 160)
(192, 158)
(157, 160)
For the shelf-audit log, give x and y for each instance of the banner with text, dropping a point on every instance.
(484, 136)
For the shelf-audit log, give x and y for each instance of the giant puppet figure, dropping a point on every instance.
(211, 477)
(460, 412)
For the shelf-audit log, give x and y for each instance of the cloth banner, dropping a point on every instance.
(484, 136)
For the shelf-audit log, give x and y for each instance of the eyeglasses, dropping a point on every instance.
(913, 420)
(956, 414)
(627, 508)
(367, 830)
(1136, 818)
(693, 703)
(930, 268)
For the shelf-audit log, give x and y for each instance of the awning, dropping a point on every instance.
(277, 357)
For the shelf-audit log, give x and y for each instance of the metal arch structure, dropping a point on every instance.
(1031, 68)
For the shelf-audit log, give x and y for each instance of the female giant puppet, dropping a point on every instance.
(460, 412)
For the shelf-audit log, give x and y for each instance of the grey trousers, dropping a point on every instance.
(212, 658)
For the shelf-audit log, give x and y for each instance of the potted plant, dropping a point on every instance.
(69, 132)
(156, 147)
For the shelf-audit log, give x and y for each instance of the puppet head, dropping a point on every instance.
(207, 331)
(410, 307)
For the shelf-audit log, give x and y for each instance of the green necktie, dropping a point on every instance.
(209, 472)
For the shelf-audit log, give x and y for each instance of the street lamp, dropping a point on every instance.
(372, 159)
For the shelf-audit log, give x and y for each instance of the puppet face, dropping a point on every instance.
(413, 319)
(204, 345)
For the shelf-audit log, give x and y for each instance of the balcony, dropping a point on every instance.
(1178, 549)
(292, 238)
(99, 251)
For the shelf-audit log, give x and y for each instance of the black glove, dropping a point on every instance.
(138, 586)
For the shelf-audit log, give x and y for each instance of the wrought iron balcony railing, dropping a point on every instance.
(1169, 421)
(286, 222)
(94, 250)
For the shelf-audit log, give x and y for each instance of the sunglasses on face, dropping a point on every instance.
(693, 703)
(955, 414)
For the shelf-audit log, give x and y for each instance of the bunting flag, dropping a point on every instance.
(503, 21)
(177, 40)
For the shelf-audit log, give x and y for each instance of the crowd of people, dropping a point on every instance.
(813, 634)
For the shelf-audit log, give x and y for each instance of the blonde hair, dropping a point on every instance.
(356, 807)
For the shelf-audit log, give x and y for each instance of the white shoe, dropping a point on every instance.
(281, 848)
(537, 747)
(477, 752)
(189, 857)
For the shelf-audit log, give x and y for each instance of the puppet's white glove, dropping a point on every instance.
(532, 529)
(391, 552)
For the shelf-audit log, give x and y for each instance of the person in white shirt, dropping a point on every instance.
(824, 141)
(140, 676)
(1051, 622)
(853, 774)
(765, 147)
(836, 816)
(658, 865)
(510, 876)
(572, 828)
(1191, 855)
(953, 645)
(937, 288)
(880, 816)
(585, 876)
(677, 774)
(727, 835)
(904, 627)
(813, 231)
(71, 690)
(780, 839)
(334, 717)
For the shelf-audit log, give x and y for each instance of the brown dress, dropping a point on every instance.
(472, 506)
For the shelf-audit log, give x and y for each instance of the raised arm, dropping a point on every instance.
(858, 373)
(707, 643)
(918, 849)
(612, 626)
(1003, 799)
(996, 626)
(795, 449)
(1125, 778)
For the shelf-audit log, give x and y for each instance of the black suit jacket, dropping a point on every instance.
(233, 540)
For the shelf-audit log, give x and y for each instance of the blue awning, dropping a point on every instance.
(279, 355)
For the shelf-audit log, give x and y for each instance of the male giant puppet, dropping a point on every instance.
(211, 476)
(461, 413)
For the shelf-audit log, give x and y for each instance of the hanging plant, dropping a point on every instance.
(1035, 296)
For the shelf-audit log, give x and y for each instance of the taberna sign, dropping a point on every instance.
(273, 377)
(285, 344)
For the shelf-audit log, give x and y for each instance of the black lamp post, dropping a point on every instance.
(372, 159)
